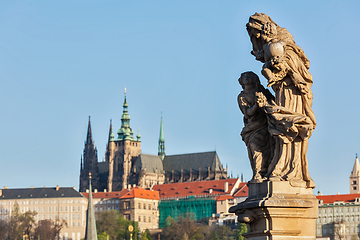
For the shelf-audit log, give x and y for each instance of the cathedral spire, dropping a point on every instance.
(89, 135)
(161, 147)
(90, 232)
(125, 132)
(111, 134)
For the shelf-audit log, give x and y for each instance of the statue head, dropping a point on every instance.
(249, 78)
(268, 30)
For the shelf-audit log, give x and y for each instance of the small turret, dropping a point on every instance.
(111, 134)
(138, 136)
(161, 147)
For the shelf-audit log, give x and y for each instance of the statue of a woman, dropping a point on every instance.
(287, 70)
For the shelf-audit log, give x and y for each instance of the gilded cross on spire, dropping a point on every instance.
(125, 90)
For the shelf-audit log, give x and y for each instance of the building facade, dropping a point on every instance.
(197, 200)
(141, 205)
(339, 215)
(134, 203)
(49, 204)
(125, 164)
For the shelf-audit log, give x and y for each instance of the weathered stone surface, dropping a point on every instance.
(276, 132)
(276, 210)
(277, 128)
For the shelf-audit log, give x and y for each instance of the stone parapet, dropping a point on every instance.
(276, 210)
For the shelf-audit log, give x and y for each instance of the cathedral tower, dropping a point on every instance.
(121, 151)
(355, 177)
(89, 163)
(161, 147)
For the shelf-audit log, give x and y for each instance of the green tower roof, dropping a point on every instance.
(125, 132)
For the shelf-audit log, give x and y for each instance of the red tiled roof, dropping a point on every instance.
(223, 197)
(339, 197)
(138, 192)
(243, 190)
(207, 188)
(106, 194)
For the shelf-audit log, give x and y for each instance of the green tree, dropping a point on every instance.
(241, 228)
(102, 236)
(112, 223)
(146, 235)
(48, 229)
(20, 223)
(183, 228)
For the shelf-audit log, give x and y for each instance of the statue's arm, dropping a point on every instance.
(247, 110)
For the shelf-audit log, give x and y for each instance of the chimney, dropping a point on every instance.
(129, 186)
(5, 187)
(95, 190)
(104, 190)
(0, 192)
(74, 188)
(57, 187)
(134, 185)
(87, 190)
(210, 191)
(226, 187)
(32, 187)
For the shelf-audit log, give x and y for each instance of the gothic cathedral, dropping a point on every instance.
(126, 166)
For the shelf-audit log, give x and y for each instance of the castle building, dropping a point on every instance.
(125, 165)
(55, 204)
(339, 215)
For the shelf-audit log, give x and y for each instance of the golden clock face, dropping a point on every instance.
(131, 228)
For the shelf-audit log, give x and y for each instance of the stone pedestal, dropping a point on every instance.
(276, 210)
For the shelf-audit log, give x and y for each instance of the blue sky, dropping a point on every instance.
(61, 61)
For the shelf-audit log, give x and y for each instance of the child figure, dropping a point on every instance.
(255, 133)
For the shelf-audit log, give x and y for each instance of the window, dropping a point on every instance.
(139, 219)
(73, 209)
(144, 219)
(127, 205)
(49, 209)
(139, 205)
(144, 206)
(149, 206)
(73, 216)
(79, 209)
(78, 216)
(149, 219)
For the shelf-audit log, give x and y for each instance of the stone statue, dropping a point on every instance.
(255, 133)
(290, 120)
(281, 204)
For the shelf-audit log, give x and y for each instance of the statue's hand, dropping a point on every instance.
(260, 99)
